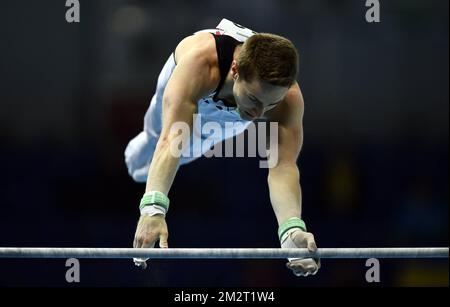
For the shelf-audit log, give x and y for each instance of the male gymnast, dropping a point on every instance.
(226, 74)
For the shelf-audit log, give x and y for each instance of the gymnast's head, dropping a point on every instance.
(263, 72)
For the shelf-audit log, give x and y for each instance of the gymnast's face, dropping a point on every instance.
(255, 98)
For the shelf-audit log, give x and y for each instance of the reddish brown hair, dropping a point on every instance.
(270, 58)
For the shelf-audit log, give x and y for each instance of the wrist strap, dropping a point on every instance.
(155, 198)
(293, 222)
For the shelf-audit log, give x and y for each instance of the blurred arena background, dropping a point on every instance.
(374, 163)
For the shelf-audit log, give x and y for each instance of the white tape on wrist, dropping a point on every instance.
(288, 242)
(153, 210)
(285, 243)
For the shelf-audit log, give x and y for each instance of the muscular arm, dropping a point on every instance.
(190, 81)
(193, 78)
(284, 182)
(284, 178)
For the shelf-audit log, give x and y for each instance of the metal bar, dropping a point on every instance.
(223, 253)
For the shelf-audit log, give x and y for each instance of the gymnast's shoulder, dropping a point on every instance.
(201, 48)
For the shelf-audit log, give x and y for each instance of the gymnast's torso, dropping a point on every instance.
(224, 39)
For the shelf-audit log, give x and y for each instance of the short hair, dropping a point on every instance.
(269, 57)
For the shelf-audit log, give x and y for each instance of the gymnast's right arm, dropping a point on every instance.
(190, 81)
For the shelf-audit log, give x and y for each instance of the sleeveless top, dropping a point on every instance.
(227, 35)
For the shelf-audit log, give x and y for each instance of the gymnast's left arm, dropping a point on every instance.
(284, 182)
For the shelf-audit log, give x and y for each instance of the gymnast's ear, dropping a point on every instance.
(234, 69)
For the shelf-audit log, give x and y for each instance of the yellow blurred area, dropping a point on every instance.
(416, 276)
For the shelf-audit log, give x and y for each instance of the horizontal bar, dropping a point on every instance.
(223, 253)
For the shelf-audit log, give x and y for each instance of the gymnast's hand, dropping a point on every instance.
(149, 230)
(297, 238)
